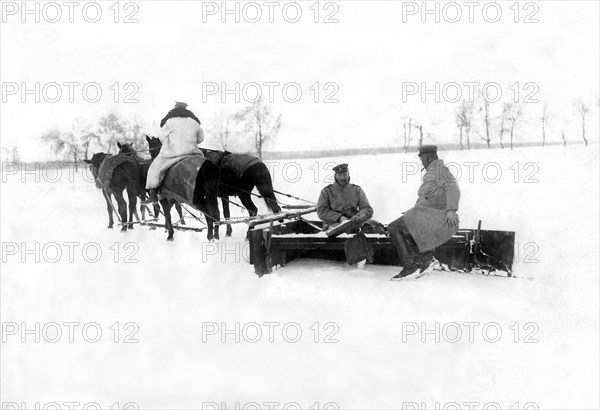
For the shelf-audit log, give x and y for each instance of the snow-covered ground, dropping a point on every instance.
(175, 294)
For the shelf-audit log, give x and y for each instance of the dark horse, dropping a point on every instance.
(206, 189)
(143, 165)
(114, 174)
(240, 173)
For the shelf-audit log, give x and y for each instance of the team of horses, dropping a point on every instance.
(198, 181)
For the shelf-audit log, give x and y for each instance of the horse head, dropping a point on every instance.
(95, 163)
(126, 148)
(154, 145)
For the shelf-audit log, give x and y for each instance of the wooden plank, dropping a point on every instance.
(258, 221)
(177, 227)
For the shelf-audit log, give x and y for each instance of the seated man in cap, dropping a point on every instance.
(431, 222)
(343, 201)
(180, 135)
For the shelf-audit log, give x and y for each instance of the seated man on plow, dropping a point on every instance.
(431, 222)
(180, 135)
(344, 205)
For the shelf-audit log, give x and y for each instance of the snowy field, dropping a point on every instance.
(171, 296)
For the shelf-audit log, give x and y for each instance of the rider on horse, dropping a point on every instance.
(180, 135)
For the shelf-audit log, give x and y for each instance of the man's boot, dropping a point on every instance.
(407, 251)
(427, 262)
(152, 196)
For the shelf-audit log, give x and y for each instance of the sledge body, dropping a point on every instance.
(278, 243)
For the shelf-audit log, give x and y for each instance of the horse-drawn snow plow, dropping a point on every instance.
(277, 238)
(275, 243)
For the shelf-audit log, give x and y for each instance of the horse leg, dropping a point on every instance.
(122, 205)
(166, 206)
(180, 212)
(249, 205)
(213, 215)
(204, 207)
(143, 210)
(109, 208)
(132, 199)
(226, 214)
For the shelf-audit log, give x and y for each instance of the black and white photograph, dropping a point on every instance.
(312, 204)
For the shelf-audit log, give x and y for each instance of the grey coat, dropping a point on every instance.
(336, 201)
(438, 193)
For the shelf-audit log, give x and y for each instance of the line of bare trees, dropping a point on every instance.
(256, 124)
(477, 118)
(76, 142)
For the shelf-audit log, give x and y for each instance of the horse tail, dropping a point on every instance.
(131, 178)
(264, 185)
(207, 188)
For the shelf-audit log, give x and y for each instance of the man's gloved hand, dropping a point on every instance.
(452, 218)
(358, 220)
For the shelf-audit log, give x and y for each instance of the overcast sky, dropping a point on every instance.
(170, 53)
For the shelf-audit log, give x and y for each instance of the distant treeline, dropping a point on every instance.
(289, 155)
(277, 155)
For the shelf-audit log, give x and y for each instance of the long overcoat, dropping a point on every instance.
(180, 138)
(438, 193)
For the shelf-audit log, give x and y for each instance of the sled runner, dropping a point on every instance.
(275, 244)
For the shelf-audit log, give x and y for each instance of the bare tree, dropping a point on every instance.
(513, 116)
(260, 123)
(11, 155)
(64, 145)
(83, 131)
(464, 121)
(133, 133)
(506, 108)
(484, 112)
(583, 110)
(544, 119)
(54, 140)
(71, 147)
(111, 128)
(223, 127)
(407, 138)
(420, 128)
